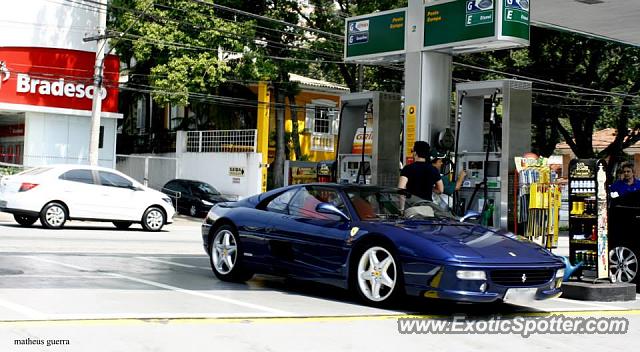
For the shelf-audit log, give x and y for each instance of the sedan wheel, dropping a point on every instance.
(377, 276)
(153, 219)
(225, 256)
(53, 215)
(623, 265)
(25, 220)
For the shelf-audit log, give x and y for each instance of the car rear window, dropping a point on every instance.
(78, 175)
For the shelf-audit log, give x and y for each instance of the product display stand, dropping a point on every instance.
(588, 218)
(538, 202)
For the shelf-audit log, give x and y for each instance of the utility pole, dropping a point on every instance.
(96, 108)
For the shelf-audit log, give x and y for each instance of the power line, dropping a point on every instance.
(248, 14)
(623, 95)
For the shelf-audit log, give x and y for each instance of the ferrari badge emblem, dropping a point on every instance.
(524, 278)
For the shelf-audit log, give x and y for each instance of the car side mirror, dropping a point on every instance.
(328, 208)
(470, 217)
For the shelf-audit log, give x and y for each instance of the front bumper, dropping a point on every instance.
(444, 284)
(206, 228)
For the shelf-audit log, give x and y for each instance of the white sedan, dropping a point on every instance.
(57, 193)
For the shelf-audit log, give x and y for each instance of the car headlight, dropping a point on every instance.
(168, 200)
(471, 275)
(206, 202)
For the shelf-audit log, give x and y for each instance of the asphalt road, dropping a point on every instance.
(101, 289)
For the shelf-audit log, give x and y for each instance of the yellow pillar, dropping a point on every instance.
(264, 101)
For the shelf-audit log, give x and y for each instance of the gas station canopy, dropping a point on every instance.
(615, 20)
(467, 26)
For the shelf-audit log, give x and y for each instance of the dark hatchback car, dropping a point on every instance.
(191, 197)
(624, 239)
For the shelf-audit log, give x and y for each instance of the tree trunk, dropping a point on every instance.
(293, 108)
(278, 162)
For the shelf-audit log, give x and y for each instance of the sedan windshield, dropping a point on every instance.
(382, 204)
(207, 189)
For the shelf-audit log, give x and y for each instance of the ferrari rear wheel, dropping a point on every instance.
(377, 276)
(226, 256)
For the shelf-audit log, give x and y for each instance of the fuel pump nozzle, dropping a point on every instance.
(454, 167)
(361, 170)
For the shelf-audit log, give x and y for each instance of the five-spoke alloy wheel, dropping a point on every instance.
(377, 278)
(225, 255)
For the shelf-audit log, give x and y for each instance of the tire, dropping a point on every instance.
(53, 215)
(153, 219)
(376, 276)
(225, 256)
(193, 211)
(623, 265)
(122, 225)
(25, 220)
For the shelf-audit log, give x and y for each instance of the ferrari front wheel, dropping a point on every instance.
(377, 275)
(225, 256)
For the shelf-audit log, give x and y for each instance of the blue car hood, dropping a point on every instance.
(470, 243)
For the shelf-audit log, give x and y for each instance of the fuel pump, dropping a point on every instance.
(365, 155)
(493, 127)
(487, 205)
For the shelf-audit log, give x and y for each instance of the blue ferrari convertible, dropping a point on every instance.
(381, 243)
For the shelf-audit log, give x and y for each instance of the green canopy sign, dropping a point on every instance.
(463, 26)
(450, 26)
(376, 35)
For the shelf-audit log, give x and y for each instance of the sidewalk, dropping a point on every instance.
(177, 219)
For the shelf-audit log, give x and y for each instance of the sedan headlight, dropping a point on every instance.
(206, 202)
(471, 275)
(168, 200)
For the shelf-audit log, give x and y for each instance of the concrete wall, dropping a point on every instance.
(64, 139)
(214, 168)
(157, 171)
(49, 24)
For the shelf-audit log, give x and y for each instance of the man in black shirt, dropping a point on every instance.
(420, 177)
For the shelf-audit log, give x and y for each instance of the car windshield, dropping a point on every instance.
(207, 189)
(383, 204)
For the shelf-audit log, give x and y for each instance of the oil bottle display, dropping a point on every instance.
(587, 217)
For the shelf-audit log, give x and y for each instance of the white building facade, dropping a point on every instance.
(46, 84)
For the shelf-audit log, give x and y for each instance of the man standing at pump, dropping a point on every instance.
(421, 178)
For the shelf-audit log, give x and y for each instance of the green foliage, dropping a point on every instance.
(175, 46)
(9, 170)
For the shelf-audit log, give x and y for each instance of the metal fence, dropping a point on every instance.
(222, 141)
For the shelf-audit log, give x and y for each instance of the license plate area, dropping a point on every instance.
(520, 295)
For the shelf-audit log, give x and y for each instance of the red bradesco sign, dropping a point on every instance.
(56, 78)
